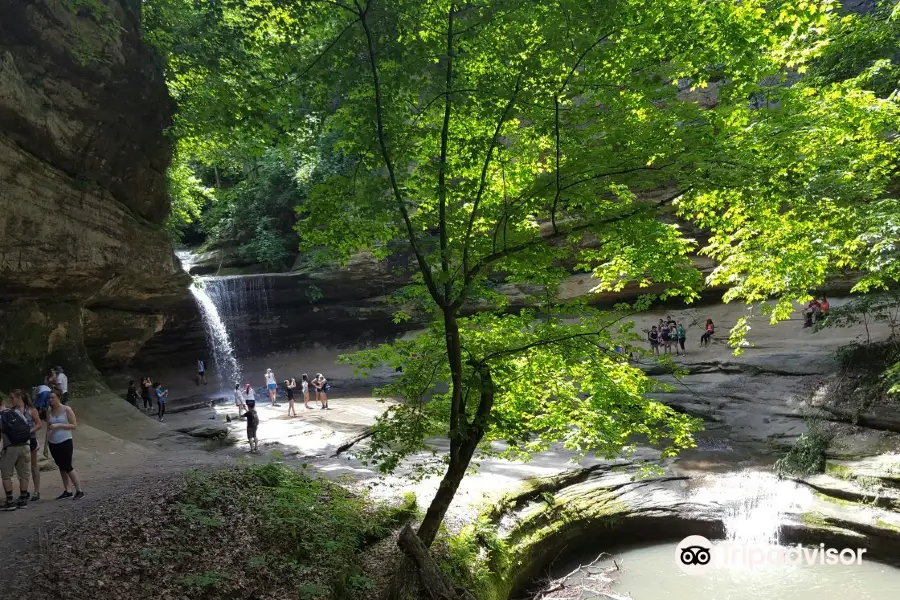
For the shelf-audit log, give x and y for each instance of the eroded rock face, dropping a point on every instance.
(83, 106)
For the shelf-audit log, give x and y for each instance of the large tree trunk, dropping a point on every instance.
(464, 440)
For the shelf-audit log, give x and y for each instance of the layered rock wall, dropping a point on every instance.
(83, 108)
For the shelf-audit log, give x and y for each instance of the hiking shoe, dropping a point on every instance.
(64, 495)
(35, 497)
(78, 495)
(22, 502)
(10, 505)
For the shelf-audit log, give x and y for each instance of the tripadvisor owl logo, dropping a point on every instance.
(693, 554)
(696, 555)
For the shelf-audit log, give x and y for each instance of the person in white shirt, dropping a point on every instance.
(201, 371)
(63, 382)
(238, 399)
(271, 385)
(249, 394)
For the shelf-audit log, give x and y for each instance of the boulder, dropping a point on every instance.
(207, 431)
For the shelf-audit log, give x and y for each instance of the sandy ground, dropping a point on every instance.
(119, 447)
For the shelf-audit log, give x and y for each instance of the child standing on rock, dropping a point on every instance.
(252, 424)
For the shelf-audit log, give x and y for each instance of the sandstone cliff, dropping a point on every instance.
(85, 266)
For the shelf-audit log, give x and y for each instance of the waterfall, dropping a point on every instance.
(753, 503)
(243, 301)
(228, 370)
(236, 316)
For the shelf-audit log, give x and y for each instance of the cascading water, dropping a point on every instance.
(753, 503)
(242, 301)
(227, 367)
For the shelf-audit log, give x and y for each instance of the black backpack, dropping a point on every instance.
(15, 427)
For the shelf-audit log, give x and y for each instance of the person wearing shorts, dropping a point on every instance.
(304, 385)
(289, 387)
(252, 424)
(15, 456)
(61, 422)
(271, 385)
(201, 371)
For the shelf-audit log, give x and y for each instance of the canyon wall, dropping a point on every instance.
(87, 273)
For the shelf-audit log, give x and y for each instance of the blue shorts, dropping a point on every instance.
(42, 400)
(272, 386)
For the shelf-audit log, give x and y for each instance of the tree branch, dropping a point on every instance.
(442, 164)
(534, 242)
(482, 185)
(424, 267)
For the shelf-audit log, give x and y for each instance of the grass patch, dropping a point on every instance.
(839, 471)
(261, 531)
(886, 525)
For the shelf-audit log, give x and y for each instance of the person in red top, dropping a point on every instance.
(823, 304)
(812, 312)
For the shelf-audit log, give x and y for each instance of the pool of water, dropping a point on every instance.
(651, 573)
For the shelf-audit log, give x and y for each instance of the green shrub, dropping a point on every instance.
(807, 456)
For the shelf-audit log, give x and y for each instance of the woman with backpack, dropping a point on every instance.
(15, 457)
(61, 422)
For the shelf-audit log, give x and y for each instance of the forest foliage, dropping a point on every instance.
(511, 142)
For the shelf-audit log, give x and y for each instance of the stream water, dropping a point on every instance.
(752, 505)
(651, 573)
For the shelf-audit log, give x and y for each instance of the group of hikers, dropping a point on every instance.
(152, 395)
(245, 399)
(670, 335)
(22, 416)
(244, 396)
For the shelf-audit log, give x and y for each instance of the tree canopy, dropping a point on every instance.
(516, 142)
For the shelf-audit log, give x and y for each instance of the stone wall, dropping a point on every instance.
(83, 108)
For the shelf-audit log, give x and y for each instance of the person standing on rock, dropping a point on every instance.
(63, 382)
(304, 385)
(252, 425)
(271, 385)
(289, 387)
(239, 399)
(322, 387)
(161, 396)
(34, 418)
(682, 338)
(132, 394)
(15, 457)
(653, 336)
(146, 387)
(201, 371)
(249, 396)
(62, 422)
